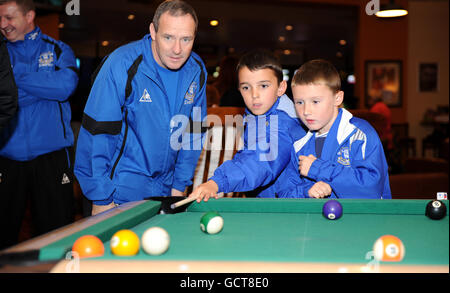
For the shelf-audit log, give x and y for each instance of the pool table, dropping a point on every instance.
(259, 236)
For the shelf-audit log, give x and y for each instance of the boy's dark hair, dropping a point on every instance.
(261, 59)
(24, 5)
(316, 71)
(175, 8)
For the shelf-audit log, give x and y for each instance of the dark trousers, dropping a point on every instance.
(46, 182)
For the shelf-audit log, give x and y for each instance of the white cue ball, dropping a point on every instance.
(155, 241)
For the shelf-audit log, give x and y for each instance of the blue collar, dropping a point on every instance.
(30, 38)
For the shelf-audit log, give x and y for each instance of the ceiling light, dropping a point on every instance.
(289, 27)
(342, 42)
(214, 22)
(281, 39)
(391, 10)
(105, 43)
(131, 17)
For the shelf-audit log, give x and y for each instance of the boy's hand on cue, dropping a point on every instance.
(205, 191)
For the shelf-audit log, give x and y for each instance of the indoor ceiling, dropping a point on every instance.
(297, 30)
(317, 29)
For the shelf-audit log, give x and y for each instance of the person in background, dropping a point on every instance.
(378, 106)
(212, 96)
(35, 146)
(8, 89)
(227, 83)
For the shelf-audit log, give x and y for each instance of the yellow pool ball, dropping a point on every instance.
(125, 243)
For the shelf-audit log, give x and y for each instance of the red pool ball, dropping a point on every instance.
(88, 246)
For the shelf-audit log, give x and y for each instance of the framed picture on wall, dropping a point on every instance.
(428, 77)
(383, 81)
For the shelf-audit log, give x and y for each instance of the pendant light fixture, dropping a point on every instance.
(391, 10)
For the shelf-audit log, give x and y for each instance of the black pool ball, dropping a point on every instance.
(436, 210)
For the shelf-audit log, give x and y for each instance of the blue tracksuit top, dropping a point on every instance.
(46, 75)
(352, 161)
(130, 145)
(263, 163)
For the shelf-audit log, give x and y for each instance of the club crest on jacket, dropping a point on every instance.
(190, 94)
(343, 156)
(46, 59)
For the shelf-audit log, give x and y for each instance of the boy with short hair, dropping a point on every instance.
(271, 128)
(341, 156)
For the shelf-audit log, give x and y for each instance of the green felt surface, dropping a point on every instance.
(296, 231)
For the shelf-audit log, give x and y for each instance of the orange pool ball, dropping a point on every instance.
(88, 246)
(125, 243)
(389, 248)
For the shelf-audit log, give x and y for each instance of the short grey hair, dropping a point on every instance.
(175, 8)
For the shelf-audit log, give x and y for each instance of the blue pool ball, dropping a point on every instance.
(332, 210)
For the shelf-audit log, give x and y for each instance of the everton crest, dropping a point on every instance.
(46, 59)
(190, 94)
(344, 156)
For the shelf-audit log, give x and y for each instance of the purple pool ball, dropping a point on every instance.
(332, 210)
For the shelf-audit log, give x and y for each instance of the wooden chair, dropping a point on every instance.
(223, 140)
(376, 120)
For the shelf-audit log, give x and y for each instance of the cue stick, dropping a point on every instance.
(188, 200)
(182, 202)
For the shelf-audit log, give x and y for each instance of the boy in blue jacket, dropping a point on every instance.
(341, 156)
(271, 128)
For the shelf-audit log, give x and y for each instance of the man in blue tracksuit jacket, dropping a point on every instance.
(34, 145)
(141, 131)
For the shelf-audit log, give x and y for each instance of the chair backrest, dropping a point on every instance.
(377, 120)
(223, 140)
